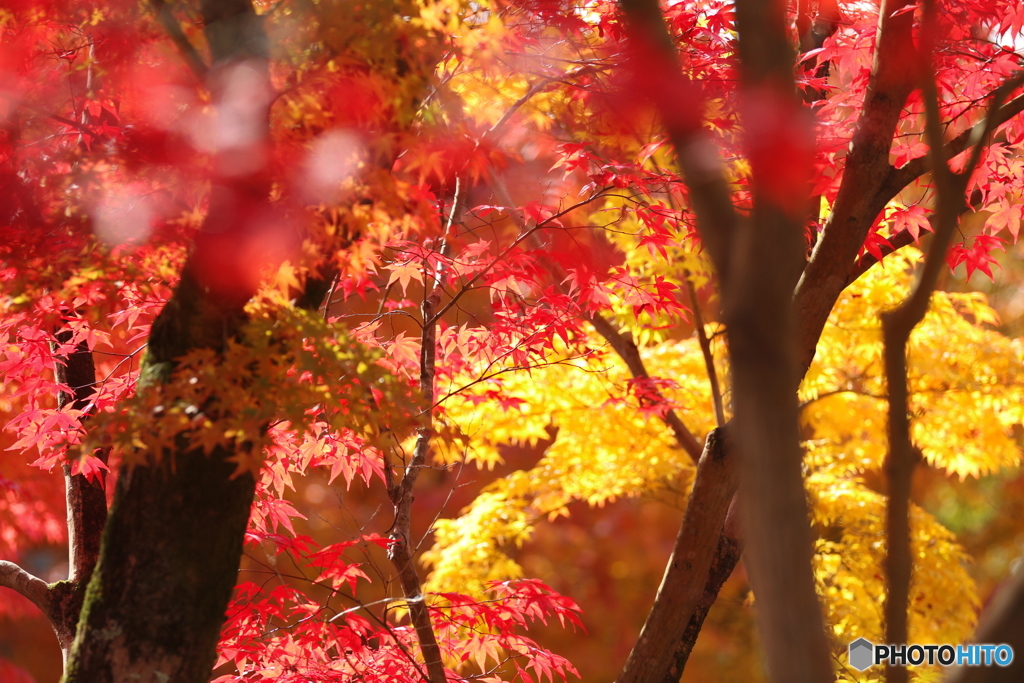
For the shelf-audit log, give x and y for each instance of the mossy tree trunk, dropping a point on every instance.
(168, 564)
(172, 545)
(173, 541)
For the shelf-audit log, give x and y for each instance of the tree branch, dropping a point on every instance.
(684, 587)
(727, 556)
(86, 500)
(898, 324)
(188, 51)
(705, 349)
(621, 343)
(27, 585)
(813, 34)
(901, 239)
(524, 234)
(657, 76)
(859, 202)
(760, 324)
(401, 492)
(899, 178)
(624, 347)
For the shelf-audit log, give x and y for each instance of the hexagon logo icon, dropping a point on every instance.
(861, 654)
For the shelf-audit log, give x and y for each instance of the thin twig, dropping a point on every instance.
(524, 234)
(330, 295)
(401, 492)
(621, 343)
(494, 130)
(705, 348)
(906, 174)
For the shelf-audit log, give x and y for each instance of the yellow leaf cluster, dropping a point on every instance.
(965, 380)
(848, 564)
(605, 447)
(471, 549)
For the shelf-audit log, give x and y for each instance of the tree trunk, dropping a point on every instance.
(173, 540)
(683, 587)
(727, 556)
(172, 545)
(86, 504)
(171, 550)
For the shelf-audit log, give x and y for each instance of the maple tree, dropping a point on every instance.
(673, 247)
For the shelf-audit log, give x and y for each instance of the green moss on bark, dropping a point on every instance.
(173, 540)
(169, 562)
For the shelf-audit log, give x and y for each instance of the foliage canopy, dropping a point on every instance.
(362, 241)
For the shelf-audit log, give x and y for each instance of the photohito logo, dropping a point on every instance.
(864, 654)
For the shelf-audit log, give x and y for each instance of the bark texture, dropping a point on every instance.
(682, 590)
(864, 191)
(86, 503)
(761, 325)
(154, 608)
(727, 556)
(170, 552)
(173, 541)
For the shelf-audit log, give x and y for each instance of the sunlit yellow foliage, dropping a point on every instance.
(672, 263)
(849, 559)
(966, 396)
(605, 447)
(965, 379)
(470, 550)
(966, 389)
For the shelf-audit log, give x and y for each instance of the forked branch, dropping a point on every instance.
(897, 326)
(976, 138)
(859, 200)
